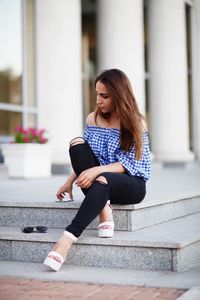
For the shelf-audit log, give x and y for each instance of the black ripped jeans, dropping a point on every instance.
(120, 189)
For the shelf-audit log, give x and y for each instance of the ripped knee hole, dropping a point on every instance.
(76, 141)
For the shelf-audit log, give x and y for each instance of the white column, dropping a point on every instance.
(121, 41)
(168, 81)
(196, 75)
(58, 72)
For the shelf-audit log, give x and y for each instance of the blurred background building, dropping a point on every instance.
(51, 51)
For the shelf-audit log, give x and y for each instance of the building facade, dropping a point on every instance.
(47, 78)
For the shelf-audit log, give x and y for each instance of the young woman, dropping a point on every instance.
(111, 163)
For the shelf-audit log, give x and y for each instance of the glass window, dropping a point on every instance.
(9, 121)
(17, 65)
(11, 51)
(88, 54)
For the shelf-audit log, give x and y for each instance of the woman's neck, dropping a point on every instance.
(112, 121)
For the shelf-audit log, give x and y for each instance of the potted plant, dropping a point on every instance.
(29, 155)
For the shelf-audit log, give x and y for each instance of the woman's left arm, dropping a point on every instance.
(86, 178)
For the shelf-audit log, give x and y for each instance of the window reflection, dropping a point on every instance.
(9, 121)
(88, 53)
(11, 51)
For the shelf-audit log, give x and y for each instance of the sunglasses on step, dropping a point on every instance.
(30, 229)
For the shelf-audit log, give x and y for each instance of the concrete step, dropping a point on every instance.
(192, 294)
(127, 217)
(96, 275)
(170, 246)
(3, 171)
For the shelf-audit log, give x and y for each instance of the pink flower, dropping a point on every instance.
(33, 131)
(26, 139)
(42, 131)
(19, 129)
(30, 135)
(42, 140)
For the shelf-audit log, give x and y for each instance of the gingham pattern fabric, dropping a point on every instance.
(105, 144)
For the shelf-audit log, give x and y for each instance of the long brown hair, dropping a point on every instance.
(119, 87)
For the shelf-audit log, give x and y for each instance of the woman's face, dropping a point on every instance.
(104, 100)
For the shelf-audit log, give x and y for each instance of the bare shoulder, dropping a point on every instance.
(90, 120)
(144, 125)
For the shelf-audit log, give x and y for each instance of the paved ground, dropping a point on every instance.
(19, 289)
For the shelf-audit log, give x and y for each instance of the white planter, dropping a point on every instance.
(28, 160)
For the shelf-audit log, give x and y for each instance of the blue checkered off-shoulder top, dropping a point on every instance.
(105, 144)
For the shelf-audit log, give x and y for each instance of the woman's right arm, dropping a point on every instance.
(66, 187)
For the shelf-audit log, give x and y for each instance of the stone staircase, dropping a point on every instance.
(158, 234)
(3, 171)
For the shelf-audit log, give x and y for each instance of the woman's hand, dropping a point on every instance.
(66, 188)
(86, 178)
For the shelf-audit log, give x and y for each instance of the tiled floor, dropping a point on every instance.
(26, 289)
